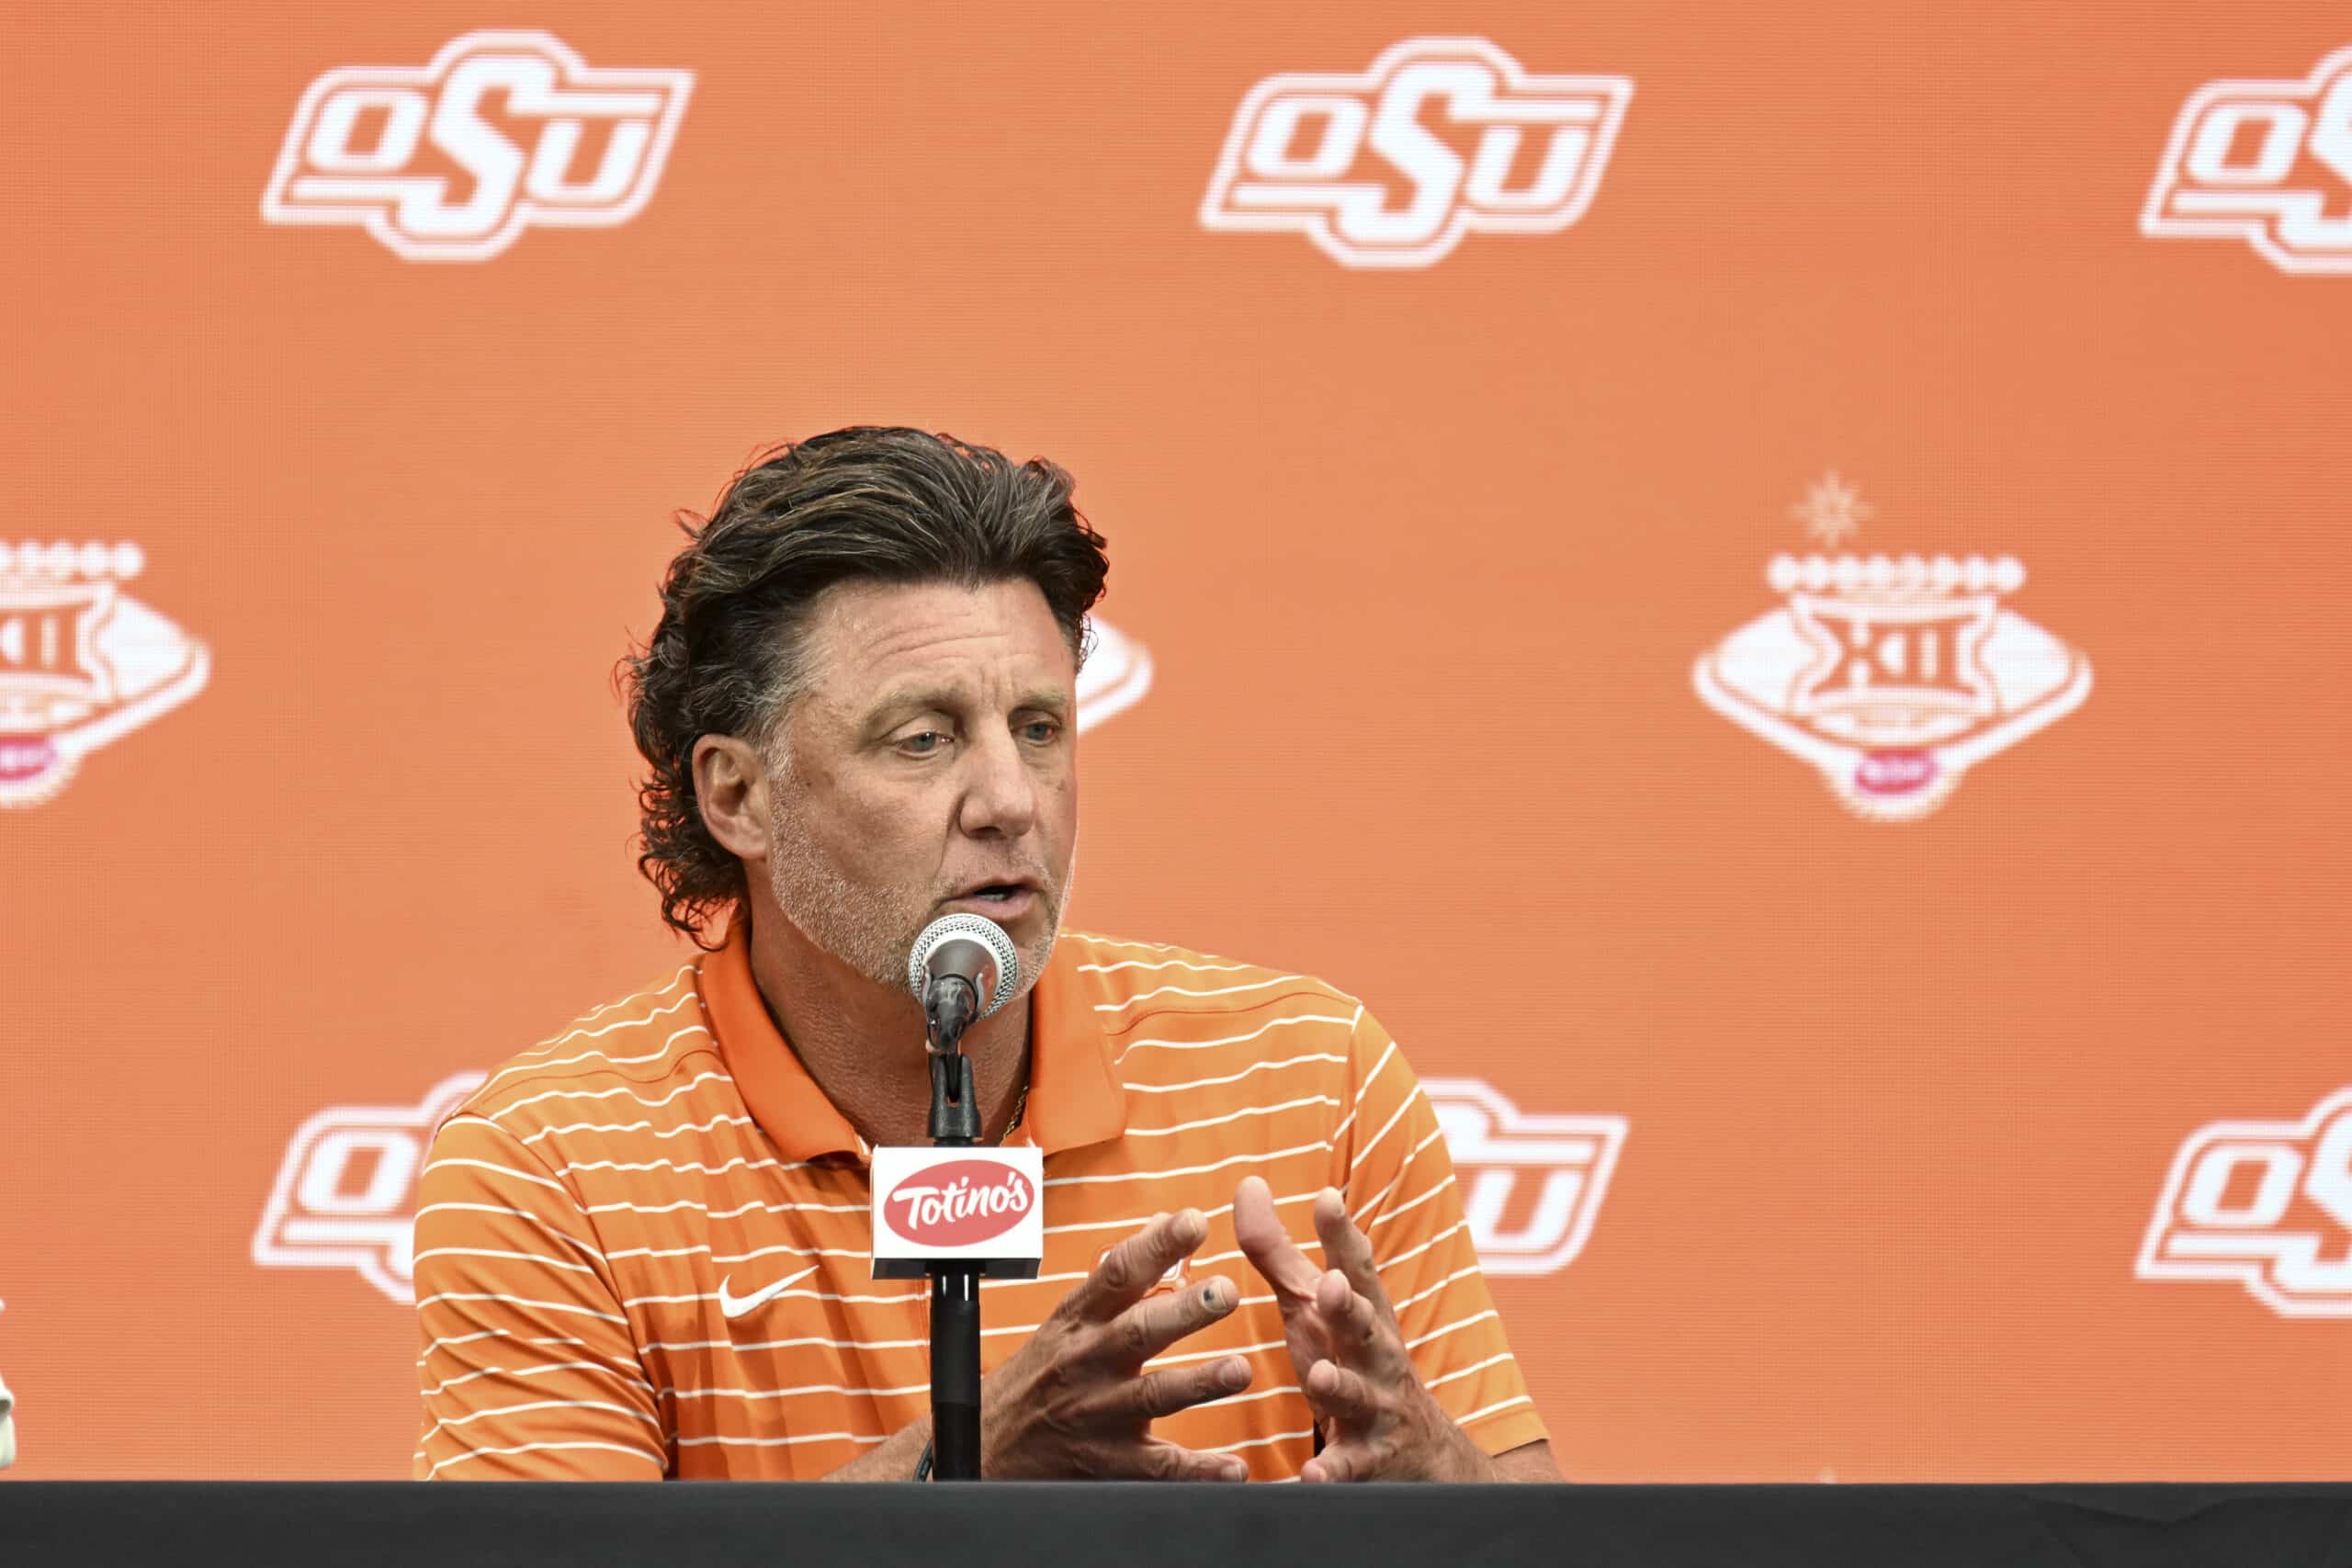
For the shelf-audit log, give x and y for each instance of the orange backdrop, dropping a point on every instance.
(1472, 682)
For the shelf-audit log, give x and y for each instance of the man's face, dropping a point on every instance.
(929, 767)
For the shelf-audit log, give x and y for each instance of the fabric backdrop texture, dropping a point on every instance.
(1765, 582)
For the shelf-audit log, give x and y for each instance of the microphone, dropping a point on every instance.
(963, 968)
(956, 1213)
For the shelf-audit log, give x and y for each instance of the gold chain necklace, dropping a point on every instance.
(1020, 1104)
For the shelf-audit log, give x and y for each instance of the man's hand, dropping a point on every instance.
(1378, 1422)
(1075, 1402)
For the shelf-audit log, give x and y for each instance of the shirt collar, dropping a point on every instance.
(1075, 1095)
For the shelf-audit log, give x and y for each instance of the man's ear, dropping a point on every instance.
(731, 790)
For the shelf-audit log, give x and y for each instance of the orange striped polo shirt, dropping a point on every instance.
(642, 1248)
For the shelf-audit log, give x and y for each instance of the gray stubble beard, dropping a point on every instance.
(847, 920)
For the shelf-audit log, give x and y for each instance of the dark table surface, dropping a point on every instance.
(262, 1525)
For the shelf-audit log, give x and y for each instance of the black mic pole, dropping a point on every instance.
(954, 1286)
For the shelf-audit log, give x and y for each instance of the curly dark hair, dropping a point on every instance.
(869, 503)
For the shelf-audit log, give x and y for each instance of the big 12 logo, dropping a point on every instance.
(452, 161)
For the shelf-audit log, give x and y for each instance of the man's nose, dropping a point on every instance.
(999, 797)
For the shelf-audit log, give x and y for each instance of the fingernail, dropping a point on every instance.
(1213, 1297)
(1236, 1373)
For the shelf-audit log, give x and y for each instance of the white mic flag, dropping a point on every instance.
(979, 1205)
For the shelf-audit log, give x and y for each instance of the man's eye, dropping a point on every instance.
(923, 743)
(1041, 731)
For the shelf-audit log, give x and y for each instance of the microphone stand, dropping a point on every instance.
(954, 1284)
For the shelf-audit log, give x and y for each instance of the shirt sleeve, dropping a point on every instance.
(1398, 1178)
(529, 1370)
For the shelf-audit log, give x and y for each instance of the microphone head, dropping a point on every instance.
(973, 946)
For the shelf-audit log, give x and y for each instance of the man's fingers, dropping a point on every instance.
(1129, 1270)
(1337, 1394)
(1159, 1461)
(1171, 1389)
(1358, 1331)
(1344, 1462)
(1351, 1322)
(1151, 1326)
(1348, 1249)
(1269, 1247)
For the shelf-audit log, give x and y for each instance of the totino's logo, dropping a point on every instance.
(346, 1194)
(82, 663)
(959, 1204)
(451, 160)
(1892, 677)
(1531, 1184)
(2268, 163)
(2266, 1203)
(1443, 137)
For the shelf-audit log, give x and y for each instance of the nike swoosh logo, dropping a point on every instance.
(733, 1305)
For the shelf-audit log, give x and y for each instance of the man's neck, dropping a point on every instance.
(863, 1043)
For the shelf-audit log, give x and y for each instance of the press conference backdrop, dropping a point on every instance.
(1766, 583)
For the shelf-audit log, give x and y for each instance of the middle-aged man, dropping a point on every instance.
(642, 1248)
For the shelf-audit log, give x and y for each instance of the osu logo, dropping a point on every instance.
(2266, 1203)
(1373, 167)
(450, 162)
(1116, 674)
(1892, 677)
(1566, 1161)
(82, 663)
(346, 1193)
(2264, 162)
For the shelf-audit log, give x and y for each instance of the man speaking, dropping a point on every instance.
(642, 1248)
